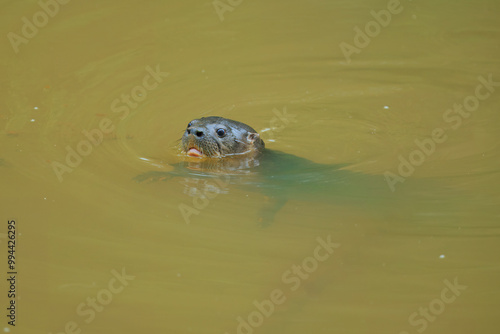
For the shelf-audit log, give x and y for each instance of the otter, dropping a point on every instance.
(214, 146)
(220, 137)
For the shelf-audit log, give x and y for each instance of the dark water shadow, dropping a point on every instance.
(282, 177)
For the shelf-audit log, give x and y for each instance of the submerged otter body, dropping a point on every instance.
(216, 146)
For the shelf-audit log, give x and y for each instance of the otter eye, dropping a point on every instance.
(189, 124)
(221, 132)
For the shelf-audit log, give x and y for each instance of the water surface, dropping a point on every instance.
(101, 93)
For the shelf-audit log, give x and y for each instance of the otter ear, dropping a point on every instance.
(253, 137)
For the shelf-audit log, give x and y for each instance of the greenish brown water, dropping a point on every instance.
(100, 70)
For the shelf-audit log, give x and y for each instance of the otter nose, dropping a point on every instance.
(196, 131)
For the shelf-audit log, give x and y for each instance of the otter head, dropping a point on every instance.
(219, 137)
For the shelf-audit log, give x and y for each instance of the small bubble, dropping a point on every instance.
(32, 120)
(441, 256)
(386, 107)
(36, 108)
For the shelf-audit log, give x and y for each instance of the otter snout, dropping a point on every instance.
(198, 132)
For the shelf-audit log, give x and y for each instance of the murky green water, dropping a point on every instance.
(404, 95)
